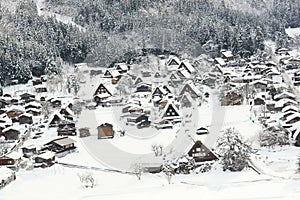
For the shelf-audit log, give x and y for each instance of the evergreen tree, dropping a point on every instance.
(235, 153)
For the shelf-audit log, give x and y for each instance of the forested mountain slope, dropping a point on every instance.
(33, 45)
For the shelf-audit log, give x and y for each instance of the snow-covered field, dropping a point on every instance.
(60, 182)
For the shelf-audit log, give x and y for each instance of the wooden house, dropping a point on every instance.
(159, 91)
(33, 111)
(66, 111)
(220, 61)
(14, 112)
(25, 118)
(227, 55)
(143, 87)
(105, 131)
(66, 128)
(280, 104)
(111, 73)
(290, 108)
(34, 105)
(200, 153)
(173, 61)
(29, 151)
(183, 74)
(121, 68)
(37, 82)
(45, 159)
(56, 103)
(186, 100)
(15, 101)
(202, 131)
(101, 93)
(11, 133)
(55, 119)
(84, 132)
(137, 81)
(135, 109)
(11, 160)
(170, 113)
(185, 65)
(136, 118)
(209, 81)
(60, 146)
(191, 89)
(282, 51)
(232, 98)
(175, 78)
(40, 89)
(284, 95)
(27, 97)
(42, 99)
(292, 118)
(259, 101)
(259, 85)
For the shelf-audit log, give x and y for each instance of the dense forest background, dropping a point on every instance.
(32, 45)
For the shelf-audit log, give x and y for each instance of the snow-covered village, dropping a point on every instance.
(149, 99)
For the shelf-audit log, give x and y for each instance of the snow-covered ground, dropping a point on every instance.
(279, 178)
(293, 32)
(60, 182)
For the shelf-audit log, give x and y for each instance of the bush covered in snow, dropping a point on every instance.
(235, 153)
(273, 136)
(181, 165)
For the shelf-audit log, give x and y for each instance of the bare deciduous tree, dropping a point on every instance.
(157, 149)
(138, 170)
(87, 179)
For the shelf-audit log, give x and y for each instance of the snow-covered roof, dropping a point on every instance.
(122, 66)
(67, 109)
(56, 113)
(46, 155)
(40, 86)
(284, 94)
(194, 88)
(64, 141)
(184, 73)
(220, 61)
(271, 63)
(14, 128)
(254, 77)
(258, 82)
(170, 104)
(115, 73)
(293, 116)
(227, 54)
(281, 102)
(16, 108)
(34, 104)
(32, 110)
(188, 65)
(14, 155)
(176, 59)
(26, 115)
(103, 95)
(290, 107)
